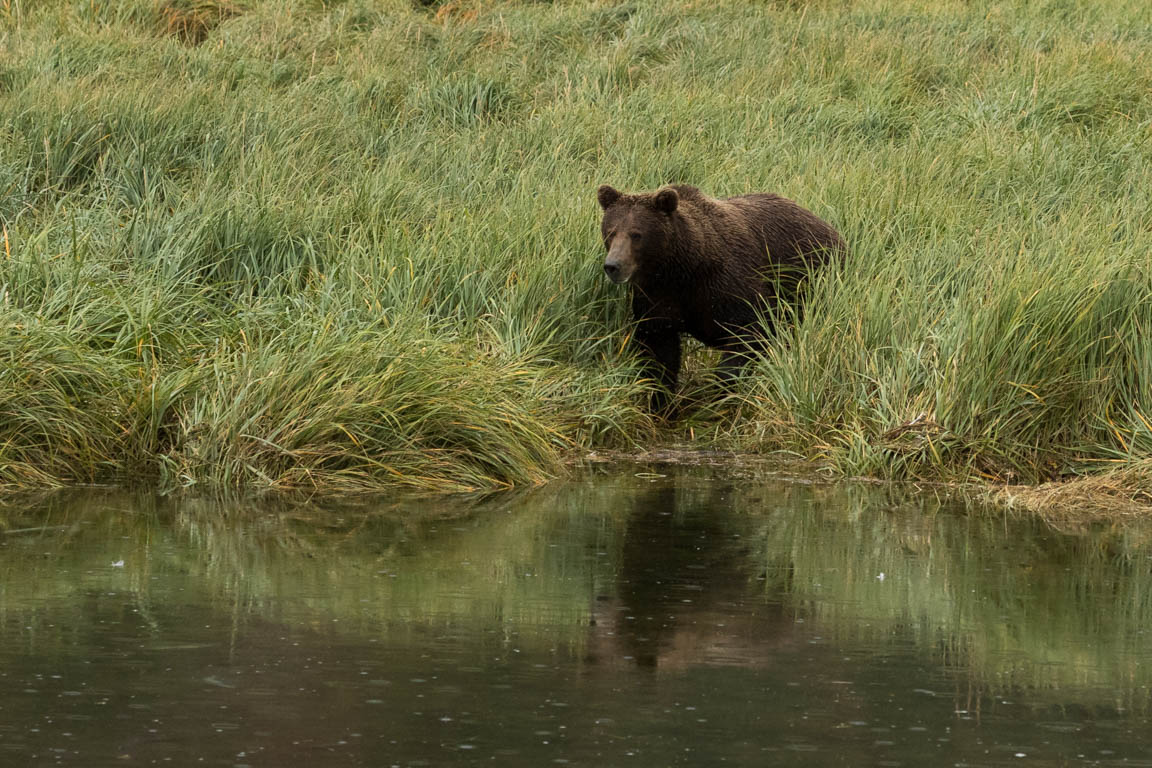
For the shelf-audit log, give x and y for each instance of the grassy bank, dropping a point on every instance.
(355, 244)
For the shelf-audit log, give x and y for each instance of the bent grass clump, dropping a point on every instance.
(1117, 493)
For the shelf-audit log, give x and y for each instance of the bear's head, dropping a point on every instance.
(636, 229)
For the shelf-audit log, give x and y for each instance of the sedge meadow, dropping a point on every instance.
(354, 245)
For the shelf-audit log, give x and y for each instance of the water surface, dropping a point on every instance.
(629, 620)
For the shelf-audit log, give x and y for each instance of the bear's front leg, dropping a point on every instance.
(732, 362)
(735, 353)
(659, 346)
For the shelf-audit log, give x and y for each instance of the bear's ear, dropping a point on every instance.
(607, 196)
(667, 200)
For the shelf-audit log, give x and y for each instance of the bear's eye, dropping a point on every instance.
(634, 235)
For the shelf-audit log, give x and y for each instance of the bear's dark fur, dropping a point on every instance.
(710, 268)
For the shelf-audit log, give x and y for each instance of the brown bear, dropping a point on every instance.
(715, 269)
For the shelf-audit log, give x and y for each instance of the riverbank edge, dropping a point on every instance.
(1116, 495)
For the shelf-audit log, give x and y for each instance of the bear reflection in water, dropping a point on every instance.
(689, 591)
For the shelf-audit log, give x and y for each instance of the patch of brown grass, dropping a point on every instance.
(457, 11)
(191, 21)
(1125, 492)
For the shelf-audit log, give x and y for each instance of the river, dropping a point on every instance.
(662, 617)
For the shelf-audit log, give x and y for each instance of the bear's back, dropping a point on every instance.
(788, 232)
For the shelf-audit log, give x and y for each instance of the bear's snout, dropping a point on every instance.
(619, 265)
(617, 272)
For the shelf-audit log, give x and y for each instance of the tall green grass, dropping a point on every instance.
(355, 243)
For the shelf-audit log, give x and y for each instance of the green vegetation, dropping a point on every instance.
(352, 244)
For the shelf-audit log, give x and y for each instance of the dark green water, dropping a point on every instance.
(617, 621)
